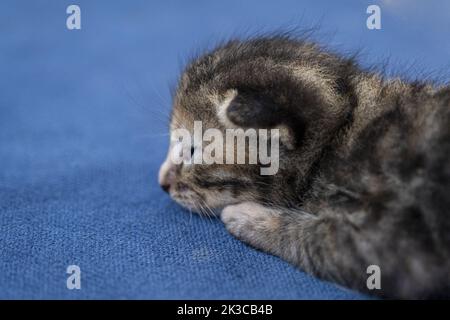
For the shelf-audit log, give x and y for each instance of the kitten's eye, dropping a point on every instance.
(192, 151)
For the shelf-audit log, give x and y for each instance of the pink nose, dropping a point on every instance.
(166, 176)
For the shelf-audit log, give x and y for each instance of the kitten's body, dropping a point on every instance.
(364, 174)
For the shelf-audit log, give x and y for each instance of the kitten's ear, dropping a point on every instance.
(250, 110)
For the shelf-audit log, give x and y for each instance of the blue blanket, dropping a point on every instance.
(83, 117)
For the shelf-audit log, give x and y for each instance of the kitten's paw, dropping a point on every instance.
(249, 221)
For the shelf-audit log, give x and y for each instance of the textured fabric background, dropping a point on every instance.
(82, 134)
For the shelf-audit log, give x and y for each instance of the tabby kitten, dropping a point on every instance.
(364, 170)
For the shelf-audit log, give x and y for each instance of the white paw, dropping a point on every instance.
(244, 219)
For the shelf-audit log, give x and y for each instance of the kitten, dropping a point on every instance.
(364, 170)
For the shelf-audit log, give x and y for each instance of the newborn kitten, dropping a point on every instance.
(364, 170)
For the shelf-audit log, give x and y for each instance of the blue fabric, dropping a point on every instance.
(83, 132)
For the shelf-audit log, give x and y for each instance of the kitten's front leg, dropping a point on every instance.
(273, 230)
(254, 224)
(308, 241)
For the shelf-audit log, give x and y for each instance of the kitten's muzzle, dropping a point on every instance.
(166, 176)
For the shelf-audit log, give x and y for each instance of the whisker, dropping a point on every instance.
(204, 211)
(190, 216)
(210, 214)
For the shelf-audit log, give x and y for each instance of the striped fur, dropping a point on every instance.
(364, 173)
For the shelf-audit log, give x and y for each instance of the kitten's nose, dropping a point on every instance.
(165, 187)
(166, 175)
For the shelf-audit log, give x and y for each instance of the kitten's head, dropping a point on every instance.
(206, 187)
(258, 84)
